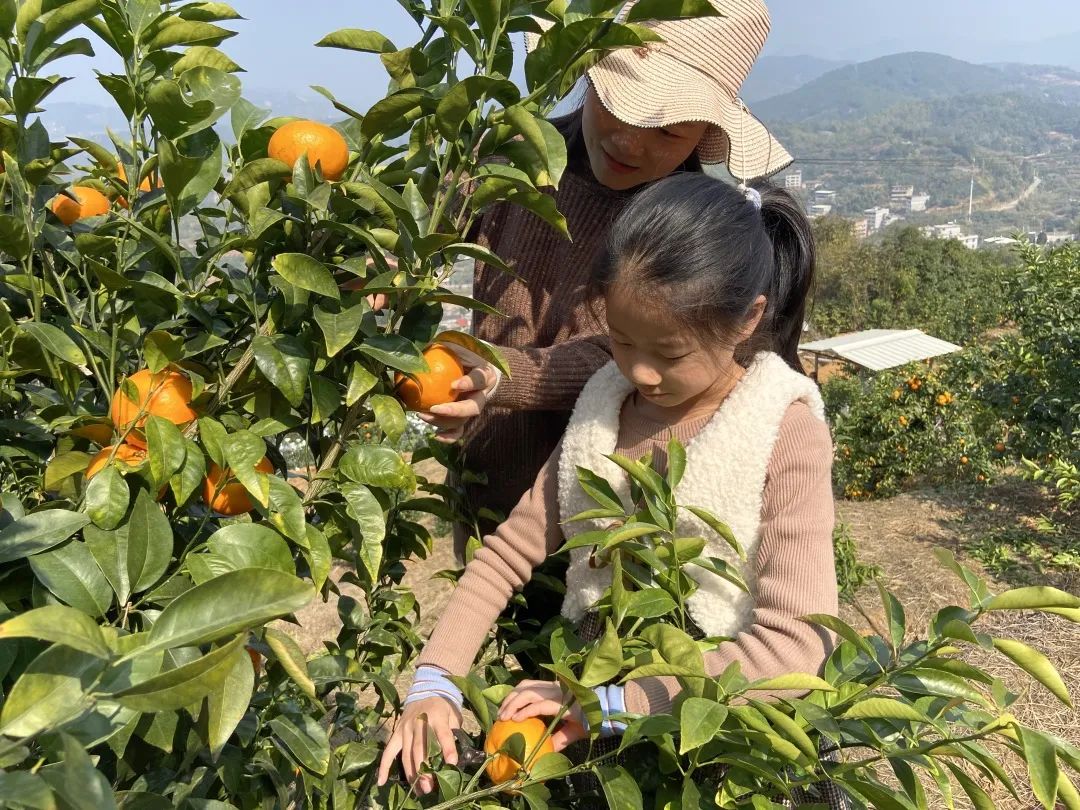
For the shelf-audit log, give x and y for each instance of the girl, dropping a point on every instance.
(705, 289)
(647, 113)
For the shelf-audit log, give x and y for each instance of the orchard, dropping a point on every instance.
(153, 529)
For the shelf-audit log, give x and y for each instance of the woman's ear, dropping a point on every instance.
(750, 325)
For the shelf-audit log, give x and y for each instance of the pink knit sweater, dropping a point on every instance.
(794, 562)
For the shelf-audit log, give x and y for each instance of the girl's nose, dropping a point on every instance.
(644, 375)
(631, 141)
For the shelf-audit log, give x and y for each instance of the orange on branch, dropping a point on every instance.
(502, 767)
(88, 202)
(121, 175)
(126, 454)
(166, 394)
(323, 144)
(431, 387)
(229, 498)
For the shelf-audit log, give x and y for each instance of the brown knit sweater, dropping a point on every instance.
(794, 562)
(550, 335)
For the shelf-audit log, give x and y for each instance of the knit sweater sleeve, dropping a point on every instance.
(503, 565)
(796, 573)
(550, 379)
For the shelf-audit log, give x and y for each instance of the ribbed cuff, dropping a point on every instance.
(432, 681)
(611, 703)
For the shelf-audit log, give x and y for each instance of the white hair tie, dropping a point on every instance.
(752, 195)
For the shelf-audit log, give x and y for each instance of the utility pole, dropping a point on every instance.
(971, 193)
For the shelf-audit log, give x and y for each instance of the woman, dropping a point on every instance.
(648, 112)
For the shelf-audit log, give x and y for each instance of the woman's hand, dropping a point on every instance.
(474, 392)
(546, 699)
(434, 714)
(377, 301)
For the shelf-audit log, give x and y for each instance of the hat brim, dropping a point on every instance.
(657, 90)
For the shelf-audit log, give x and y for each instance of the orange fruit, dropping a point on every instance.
(903, 420)
(166, 394)
(432, 387)
(230, 498)
(324, 146)
(126, 454)
(91, 203)
(1000, 447)
(97, 432)
(502, 767)
(121, 174)
(964, 459)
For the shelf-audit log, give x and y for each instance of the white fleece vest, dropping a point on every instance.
(725, 474)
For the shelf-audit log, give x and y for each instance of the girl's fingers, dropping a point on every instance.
(538, 708)
(393, 748)
(419, 752)
(445, 736)
(465, 407)
(480, 378)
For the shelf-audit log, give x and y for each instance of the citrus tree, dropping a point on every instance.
(186, 305)
(180, 302)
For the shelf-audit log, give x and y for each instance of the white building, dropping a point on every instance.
(875, 217)
(950, 230)
(919, 202)
(1059, 237)
(900, 197)
(824, 196)
(971, 241)
(793, 180)
(819, 210)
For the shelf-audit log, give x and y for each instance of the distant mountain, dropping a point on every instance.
(865, 88)
(776, 75)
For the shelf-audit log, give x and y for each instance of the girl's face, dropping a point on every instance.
(670, 366)
(624, 156)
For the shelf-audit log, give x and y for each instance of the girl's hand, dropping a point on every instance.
(434, 714)
(474, 391)
(546, 699)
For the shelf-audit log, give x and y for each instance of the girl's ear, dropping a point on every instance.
(750, 325)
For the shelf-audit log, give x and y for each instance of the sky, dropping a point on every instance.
(276, 40)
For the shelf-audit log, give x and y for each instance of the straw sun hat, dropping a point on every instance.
(695, 74)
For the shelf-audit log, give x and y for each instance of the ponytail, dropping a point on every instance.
(795, 259)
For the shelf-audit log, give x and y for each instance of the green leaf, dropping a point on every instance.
(620, 788)
(166, 448)
(227, 703)
(1040, 753)
(191, 475)
(55, 342)
(389, 415)
(256, 172)
(25, 790)
(721, 528)
(978, 796)
(699, 721)
(888, 708)
(251, 545)
(793, 680)
(161, 349)
(285, 361)
(894, 615)
(173, 31)
(186, 684)
(1035, 664)
(205, 56)
(488, 15)
(149, 543)
(193, 102)
(842, 629)
(231, 603)
(788, 728)
(53, 689)
(325, 398)
(340, 328)
(377, 466)
(288, 653)
(650, 603)
(461, 100)
(305, 741)
(670, 10)
(363, 507)
(307, 273)
(934, 682)
(360, 382)
(604, 662)
(391, 112)
(60, 625)
(76, 782)
(1036, 597)
(107, 497)
(357, 39)
(71, 573)
(478, 347)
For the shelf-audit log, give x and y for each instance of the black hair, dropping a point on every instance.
(577, 154)
(702, 247)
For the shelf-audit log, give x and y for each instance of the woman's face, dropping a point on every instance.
(624, 156)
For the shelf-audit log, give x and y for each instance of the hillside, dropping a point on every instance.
(776, 75)
(1010, 138)
(855, 91)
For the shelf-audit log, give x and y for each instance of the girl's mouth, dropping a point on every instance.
(618, 166)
